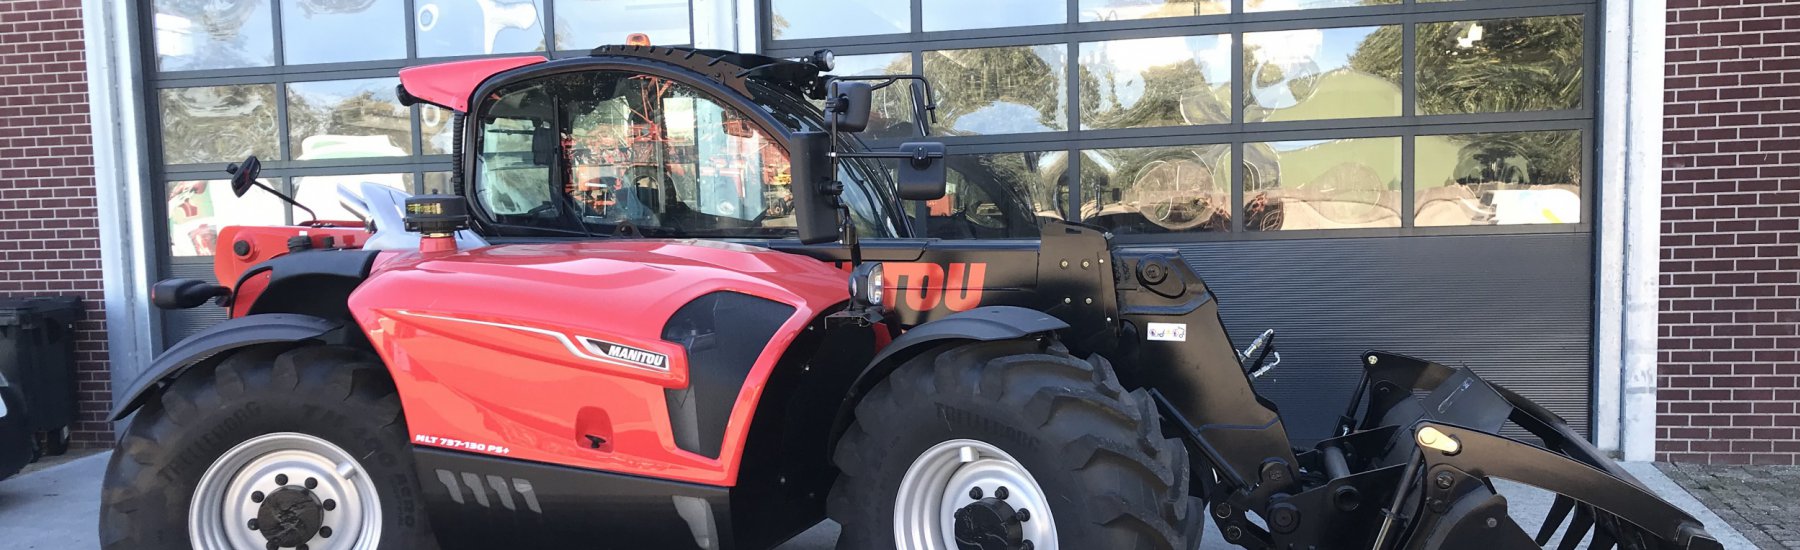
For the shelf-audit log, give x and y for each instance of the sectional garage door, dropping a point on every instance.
(1404, 175)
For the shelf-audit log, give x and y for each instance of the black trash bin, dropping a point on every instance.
(37, 357)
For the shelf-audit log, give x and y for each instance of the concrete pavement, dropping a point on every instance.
(58, 508)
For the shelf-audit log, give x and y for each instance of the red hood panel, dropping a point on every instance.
(508, 350)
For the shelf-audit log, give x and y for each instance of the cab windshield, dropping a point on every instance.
(624, 153)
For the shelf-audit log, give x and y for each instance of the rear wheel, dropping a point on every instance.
(1009, 446)
(302, 448)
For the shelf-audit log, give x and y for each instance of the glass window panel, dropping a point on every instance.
(1125, 10)
(1323, 184)
(218, 123)
(999, 196)
(1313, 74)
(475, 27)
(795, 19)
(347, 119)
(1157, 189)
(320, 193)
(329, 31)
(1254, 6)
(588, 24)
(891, 116)
(1152, 82)
(1504, 65)
(194, 35)
(1498, 179)
(199, 208)
(950, 15)
(438, 128)
(438, 183)
(1008, 90)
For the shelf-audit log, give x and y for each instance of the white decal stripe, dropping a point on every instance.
(560, 337)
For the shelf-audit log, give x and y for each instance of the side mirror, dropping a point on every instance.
(848, 102)
(922, 175)
(815, 207)
(244, 174)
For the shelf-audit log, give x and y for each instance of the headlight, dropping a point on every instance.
(866, 285)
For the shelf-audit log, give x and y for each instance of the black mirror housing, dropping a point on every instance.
(923, 175)
(184, 293)
(815, 210)
(244, 174)
(848, 103)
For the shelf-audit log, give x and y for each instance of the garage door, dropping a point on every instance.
(1404, 175)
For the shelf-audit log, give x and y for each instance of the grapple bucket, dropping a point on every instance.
(1445, 425)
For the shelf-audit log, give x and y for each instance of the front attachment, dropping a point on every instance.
(1446, 499)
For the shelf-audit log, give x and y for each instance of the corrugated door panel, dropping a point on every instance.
(181, 323)
(1516, 308)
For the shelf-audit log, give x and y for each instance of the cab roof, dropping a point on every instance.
(451, 85)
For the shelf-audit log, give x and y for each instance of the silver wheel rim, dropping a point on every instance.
(940, 482)
(229, 494)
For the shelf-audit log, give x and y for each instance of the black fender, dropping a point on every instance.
(982, 324)
(233, 334)
(312, 282)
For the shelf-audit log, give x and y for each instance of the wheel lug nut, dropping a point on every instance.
(256, 496)
(325, 531)
(281, 479)
(312, 483)
(253, 524)
(1027, 545)
(975, 493)
(1000, 493)
(272, 545)
(1022, 515)
(330, 505)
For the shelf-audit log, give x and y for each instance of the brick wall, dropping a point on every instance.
(49, 241)
(1731, 234)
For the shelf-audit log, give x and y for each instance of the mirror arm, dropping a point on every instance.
(289, 200)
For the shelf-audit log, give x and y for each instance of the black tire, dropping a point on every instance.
(338, 394)
(1097, 450)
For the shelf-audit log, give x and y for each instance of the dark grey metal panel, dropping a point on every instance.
(181, 323)
(1516, 308)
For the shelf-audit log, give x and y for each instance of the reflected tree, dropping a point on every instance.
(968, 81)
(218, 124)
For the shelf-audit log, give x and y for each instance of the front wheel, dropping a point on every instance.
(302, 448)
(1010, 446)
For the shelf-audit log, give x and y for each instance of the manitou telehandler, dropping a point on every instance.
(672, 304)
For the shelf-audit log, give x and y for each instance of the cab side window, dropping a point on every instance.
(621, 153)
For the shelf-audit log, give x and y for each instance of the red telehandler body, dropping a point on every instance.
(673, 304)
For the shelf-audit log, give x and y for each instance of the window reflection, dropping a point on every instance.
(320, 193)
(1157, 189)
(794, 19)
(1254, 6)
(1154, 82)
(437, 130)
(1312, 74)
(1498, 179)
(347, 119)
(213, 35)
(218, 123)
(891, 115)
(588, 24)
(197, 209)
(1123, 10)
(437, 183)
(1504, 65)
(1325, 184)
(999, 196)
(476, 27)
(1008, 90)
(949, 15)
(326, 31)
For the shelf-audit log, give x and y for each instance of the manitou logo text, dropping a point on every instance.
(628, 354)
(921, 286)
